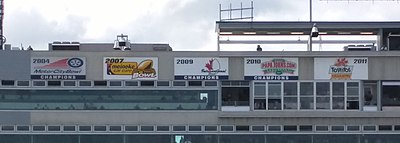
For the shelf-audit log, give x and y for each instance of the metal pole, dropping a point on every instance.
(252, 11)
(310, 10)
(1, 23)
(220, 12)
(309, 43)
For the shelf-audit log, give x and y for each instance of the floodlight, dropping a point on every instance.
(314, 31)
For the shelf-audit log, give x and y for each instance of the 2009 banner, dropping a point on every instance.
(187, 68)
(58, 68)
(130, 68)
(271, 69)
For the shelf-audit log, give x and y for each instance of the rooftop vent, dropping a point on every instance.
(360, 48)
(66, 45)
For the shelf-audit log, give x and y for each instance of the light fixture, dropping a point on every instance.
(297, 33)
(314, 31)
(273, 33)
(344, 33)
(122, 43)
(322, 33)
(249, 33)
(225, 33)
(366, 33)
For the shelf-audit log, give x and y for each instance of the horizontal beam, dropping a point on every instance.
(296, 41)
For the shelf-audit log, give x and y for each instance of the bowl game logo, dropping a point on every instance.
(279, 67)
(126, 68)
(341, 70)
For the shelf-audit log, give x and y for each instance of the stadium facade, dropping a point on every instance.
(91, 93)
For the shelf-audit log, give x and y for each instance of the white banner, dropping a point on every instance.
(145, 68)
(58, 68)
(341, 68)
(271, 68)
(187, 68)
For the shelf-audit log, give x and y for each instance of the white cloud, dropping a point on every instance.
(184, 24)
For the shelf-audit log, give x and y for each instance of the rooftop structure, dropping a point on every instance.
(111, 92)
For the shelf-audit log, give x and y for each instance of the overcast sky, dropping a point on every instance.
(184, 24)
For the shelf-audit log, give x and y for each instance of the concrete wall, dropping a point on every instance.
(15, 65)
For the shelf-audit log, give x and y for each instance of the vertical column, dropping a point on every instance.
(1, 23)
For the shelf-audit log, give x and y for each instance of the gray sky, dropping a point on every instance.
(184, 24)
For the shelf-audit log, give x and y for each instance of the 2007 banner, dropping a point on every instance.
(130, 68)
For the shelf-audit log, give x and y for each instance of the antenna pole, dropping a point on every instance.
(310, 10)
(2, 38)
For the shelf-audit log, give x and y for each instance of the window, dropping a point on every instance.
(210, 128)
(179, 128)
(85, 83)
(260, 96)
(323, 95)
(147, 128)
(259, 104)
(397, 127)
(39, 83)
(22, 83)
(337, 128)
(131, 128)
(162, 128)
(274, 128)
(100, 128)
(194, 128)
(162, 83)
(53, 128)
(306, 95)
(195, 83)
(353, 96)
(353, 128)
(100, 83)
(85, 128)
(7, 128)
(385, 127)
(38, 128)
(226, 128)
(369, 128)
(390, 96)
(259, 89)
(69, 128)
(211, 83)
(131, 83)
(258, 128)
(53, 83)
(115, 128)
(116, 83)
(242, 128)
(321, 128)
(274, 96)
(147, 83)
(179, 83)
(370, 93)
(305, 128)
(290, 95)
(290, 128)
(111, 99)
(69, 83)
(22, 128)
(235, 96)
(338, 96)
(7, 82)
